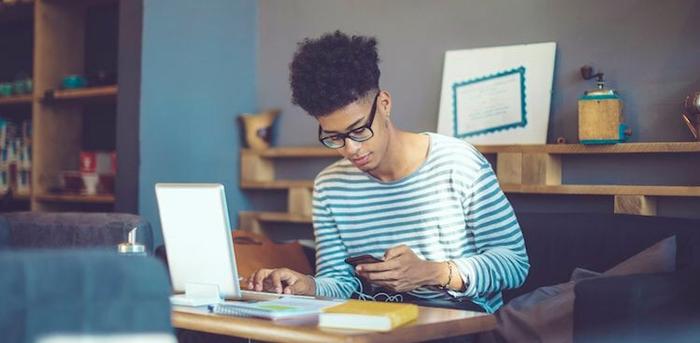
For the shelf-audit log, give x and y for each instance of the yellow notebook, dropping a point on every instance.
(367, 315)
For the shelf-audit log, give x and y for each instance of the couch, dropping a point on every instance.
(557, 243)
(62, 280)
(629, 308)
(63, 230)
(617, 308)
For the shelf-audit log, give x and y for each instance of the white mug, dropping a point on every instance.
(90, 181)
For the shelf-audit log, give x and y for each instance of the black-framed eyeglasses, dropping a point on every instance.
(360, 134)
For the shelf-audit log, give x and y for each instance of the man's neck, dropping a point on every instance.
(405, 153)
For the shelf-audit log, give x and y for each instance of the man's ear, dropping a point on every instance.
(386, 102)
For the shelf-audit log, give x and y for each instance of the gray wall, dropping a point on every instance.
(649, 51)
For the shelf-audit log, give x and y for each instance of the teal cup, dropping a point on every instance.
(5, 89)
(23, 86)
(74, 81)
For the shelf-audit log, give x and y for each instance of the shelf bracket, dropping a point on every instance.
(299, 201)
(250, 222)
(528, 168)
(509, 167)
(541, 169)
(256, 168)
(640, 205)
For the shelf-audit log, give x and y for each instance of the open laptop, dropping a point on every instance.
(197, 235)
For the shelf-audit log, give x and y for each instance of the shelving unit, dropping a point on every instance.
(69, 37)
(16, 36)
(533, 169)
(258, 173)
(521, 169)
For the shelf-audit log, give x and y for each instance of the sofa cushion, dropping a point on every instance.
(546, 314)
(582, 273)
(79, 292)
(642, 308)
(660, 257)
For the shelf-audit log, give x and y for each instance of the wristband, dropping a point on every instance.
(446, 286)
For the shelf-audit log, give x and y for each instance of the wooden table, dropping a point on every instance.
(432, 323)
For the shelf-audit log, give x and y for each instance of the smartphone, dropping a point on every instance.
(361, 259)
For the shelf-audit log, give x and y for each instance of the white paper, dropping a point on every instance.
(487, 104)
(483, 100)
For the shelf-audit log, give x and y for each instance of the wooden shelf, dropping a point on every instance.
(277, 184)
(277, 217)
(83, 94)
(622, 148)
(555, 149)
(16, 99)
(672, 191)
(680, 191)
(21, 197)
(17, 197)
(292, 152)
(76, 198)
(85, 2)
(605, 190)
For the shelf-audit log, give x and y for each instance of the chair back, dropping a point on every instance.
(255, 251)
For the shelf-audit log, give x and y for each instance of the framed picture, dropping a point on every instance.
(497, 95)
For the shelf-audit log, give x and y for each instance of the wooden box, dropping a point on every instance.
(600, 121)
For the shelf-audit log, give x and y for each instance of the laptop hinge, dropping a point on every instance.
(197, 294)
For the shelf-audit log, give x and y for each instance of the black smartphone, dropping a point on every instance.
(362, 259)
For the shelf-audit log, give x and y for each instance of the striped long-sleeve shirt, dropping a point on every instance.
(450, 208)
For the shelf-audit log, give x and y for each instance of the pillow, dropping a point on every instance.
(660, 257)
(580, 274)
(546, 314)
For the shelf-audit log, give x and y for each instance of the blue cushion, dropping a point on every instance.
(81, 291)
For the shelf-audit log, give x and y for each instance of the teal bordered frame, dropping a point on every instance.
(523, 118)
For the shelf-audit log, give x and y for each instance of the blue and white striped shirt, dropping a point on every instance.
(450, 208)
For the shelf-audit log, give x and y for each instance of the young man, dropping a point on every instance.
(429, 206)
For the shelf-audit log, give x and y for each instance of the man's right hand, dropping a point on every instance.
(281, 280)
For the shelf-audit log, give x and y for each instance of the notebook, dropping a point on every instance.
(282, 308)
(367, 315)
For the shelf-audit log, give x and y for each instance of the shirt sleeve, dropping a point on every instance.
(334, 277)
(500, 261)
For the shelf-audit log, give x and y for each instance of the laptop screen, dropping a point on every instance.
(197, 235)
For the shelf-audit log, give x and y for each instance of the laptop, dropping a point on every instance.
(197, 235)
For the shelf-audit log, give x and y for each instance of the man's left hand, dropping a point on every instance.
(401, 271)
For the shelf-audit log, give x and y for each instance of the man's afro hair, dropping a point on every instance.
(333, 71)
